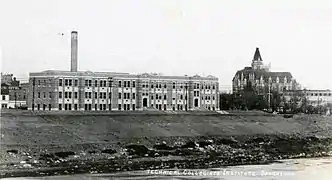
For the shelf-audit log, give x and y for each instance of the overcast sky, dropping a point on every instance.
(172, 37)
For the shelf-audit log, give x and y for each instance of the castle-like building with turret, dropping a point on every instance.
(262, 79)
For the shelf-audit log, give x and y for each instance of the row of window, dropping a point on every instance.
(126, 84)
(126, 107)
(127, 96)
(319, 94)
(158, 97)
(102, 83)
(68, 95)
(43, 107)
(102, 95)
(44, 95)
(68, 82)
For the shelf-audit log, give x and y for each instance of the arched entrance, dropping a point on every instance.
(196, 103)
(145, 102)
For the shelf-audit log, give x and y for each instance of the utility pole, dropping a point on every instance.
(269, 100)
(111, 93)
(186, 98)
(15, 99)
(33, 93)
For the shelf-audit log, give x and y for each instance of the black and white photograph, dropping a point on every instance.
(166, 89)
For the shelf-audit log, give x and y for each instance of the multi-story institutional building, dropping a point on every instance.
(65, 90)
(261, 78)
(95, 91)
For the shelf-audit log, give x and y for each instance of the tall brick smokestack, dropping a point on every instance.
(74, 45)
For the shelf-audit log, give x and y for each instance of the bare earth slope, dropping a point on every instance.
(29, 140)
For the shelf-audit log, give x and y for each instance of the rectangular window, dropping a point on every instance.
(105, 84)
(129, 84)
(44, 94)
(86, 95)
(100, 95)
(60, 106)
(90, 83)
(66, 106)
(119, 83)
(66, 83)
(101, 83)
(66, 94)
(69, 106)
(69, 94)
(100, 107)
(38, 94)
(86, 82)
(165, 107)
(119, 107)
(3, 97)
(70, 82)
(90, 95)
(75, 82)
(133, 107)
(151, 85)
(151, 97)
(60, 95)
(49, 94)
(104, 107)
(165, 97)
(75, 95)
(173, 85)
(75, 107)
(134, 85)
(134, 97)
(38, 82)
(85, 107)
(104, 95)
(96, 83)
(96, 108)
(119, 95)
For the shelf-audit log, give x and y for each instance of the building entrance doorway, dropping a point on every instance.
(145, 102)
(196, 103)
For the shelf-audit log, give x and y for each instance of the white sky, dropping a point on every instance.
(172, 37)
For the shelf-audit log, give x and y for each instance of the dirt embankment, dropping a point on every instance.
(48, 144)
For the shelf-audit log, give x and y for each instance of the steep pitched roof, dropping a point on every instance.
(257, 55)
(265, 74)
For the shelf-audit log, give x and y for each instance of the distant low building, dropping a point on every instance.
(17, 93)
(4, 95)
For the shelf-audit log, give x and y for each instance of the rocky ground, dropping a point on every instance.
(54, 144)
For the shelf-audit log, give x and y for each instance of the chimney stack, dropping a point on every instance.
(74, 45)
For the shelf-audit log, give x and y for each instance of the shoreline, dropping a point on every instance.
(62, 144)
(220, 152)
